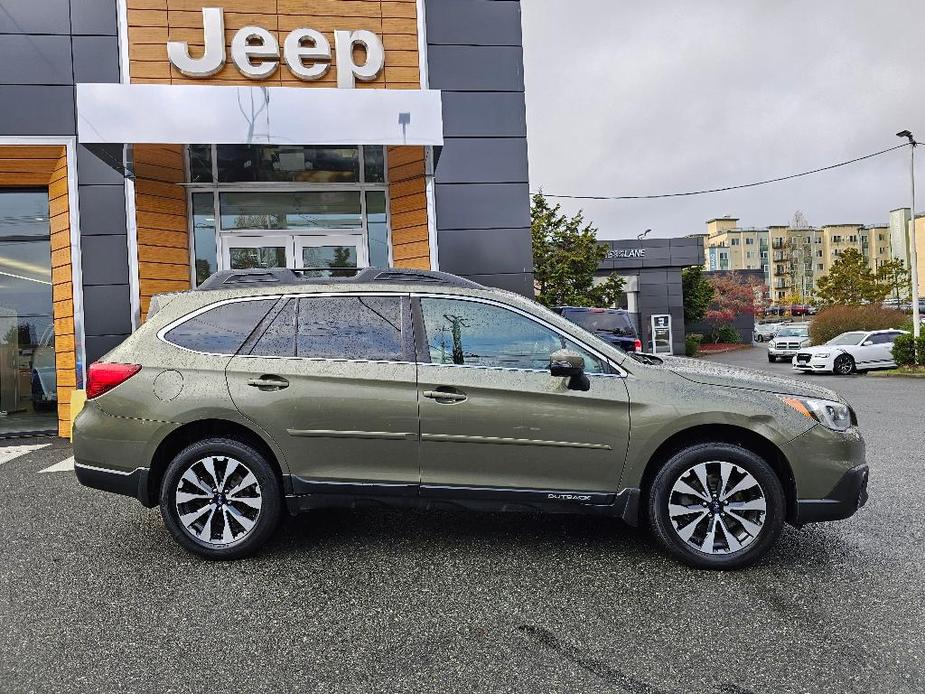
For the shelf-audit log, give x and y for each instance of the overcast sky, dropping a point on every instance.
(627, 98)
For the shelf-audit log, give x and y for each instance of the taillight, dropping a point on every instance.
(637, 344)
(103, 377)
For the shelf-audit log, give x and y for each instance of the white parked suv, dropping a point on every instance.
(850, 352)
(788, 341)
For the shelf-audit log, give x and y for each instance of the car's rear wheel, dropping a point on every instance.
(716, 506)
(220, 499)
(844, 365)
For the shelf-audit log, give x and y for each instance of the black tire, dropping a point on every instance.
(270, 496)
(677, 466)
(772, 359)
(759, 338)
(844, 365)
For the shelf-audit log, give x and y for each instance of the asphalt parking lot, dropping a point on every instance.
(98, 598)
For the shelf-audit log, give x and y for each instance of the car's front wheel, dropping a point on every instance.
(772, 358)
(844, 365)
(220, 499)
(716, 506)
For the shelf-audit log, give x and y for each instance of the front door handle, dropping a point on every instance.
(446, 396)
(269, 382)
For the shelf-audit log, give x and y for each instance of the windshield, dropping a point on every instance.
(793, 332)
(614, 322)
(847, 339)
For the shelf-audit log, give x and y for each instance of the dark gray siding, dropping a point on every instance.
(475, 56)
(46, 47)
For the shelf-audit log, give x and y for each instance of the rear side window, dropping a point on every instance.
(349, 327)
(220, 330)
(602, 320)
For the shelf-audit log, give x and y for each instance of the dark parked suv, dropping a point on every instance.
(613, 325)
(264, 392)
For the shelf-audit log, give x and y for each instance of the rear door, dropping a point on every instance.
(332, 378)
(882, 348)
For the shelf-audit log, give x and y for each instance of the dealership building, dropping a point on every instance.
(651, 270)
(145, 144)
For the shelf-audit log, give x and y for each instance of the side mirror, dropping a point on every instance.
(867, 343)
(564, 363)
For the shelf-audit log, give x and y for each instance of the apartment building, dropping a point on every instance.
(793, 259)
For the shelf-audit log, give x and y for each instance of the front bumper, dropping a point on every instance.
(848, 495)
(814, 364)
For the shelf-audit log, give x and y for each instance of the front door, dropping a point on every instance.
(332, 379)
(492, 416)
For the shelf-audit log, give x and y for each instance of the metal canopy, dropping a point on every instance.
(194, 114)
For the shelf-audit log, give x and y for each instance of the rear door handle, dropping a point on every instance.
(445, 396)
(268, 382)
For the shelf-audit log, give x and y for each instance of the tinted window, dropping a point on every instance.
(278, 340)
(602, 320)
(475, 334)
(349, 327)
(883, 338)
(221, 330)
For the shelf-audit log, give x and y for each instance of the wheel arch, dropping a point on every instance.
(723, 433)
(183, 436)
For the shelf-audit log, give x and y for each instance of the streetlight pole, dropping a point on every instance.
(913, 254)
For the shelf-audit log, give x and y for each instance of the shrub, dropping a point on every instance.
(726, 334)
(835, 320)
(692, 344)
(904, 355)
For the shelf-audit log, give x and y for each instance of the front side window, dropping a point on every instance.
(349, 327)
(220, 330)
(469, 333)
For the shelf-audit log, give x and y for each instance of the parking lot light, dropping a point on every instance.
(913, 254)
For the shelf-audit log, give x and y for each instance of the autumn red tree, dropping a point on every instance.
(733, 296)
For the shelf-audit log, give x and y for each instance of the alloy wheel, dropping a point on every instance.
(717, 507)
(218, 500)
(843, 365)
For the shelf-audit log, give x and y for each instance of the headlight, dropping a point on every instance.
(830, 414)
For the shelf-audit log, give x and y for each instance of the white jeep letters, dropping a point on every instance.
(255, 52)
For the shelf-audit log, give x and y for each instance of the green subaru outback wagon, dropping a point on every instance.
(265, 391)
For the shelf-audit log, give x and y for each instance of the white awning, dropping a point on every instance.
(194, 114)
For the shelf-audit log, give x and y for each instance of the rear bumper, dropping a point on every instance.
(133, 483)
(848, 495)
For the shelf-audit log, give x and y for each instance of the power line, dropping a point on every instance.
(726, 188)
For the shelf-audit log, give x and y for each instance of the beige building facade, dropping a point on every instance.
(793, 259)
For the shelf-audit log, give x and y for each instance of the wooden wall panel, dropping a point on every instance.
(408, 208)
(153, 22)
(162, 221)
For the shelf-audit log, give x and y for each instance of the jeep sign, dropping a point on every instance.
(307, 52)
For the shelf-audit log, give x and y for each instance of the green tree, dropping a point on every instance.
(850, 281)
(895, 279)
(566, 255)
(697, 292)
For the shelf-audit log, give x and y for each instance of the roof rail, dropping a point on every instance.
(229, 279)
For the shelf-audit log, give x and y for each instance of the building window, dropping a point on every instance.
(734, 242)
(288, 206)
(819, 266)
(749, 242)
(836, 239)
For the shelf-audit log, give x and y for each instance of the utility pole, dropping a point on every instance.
(913, 255)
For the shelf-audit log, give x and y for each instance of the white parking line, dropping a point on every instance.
(8, 453)
(64, 466)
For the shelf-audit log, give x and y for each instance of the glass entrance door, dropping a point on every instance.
(331, 255)
(245, 252)
(28, 380)
(321, 255)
